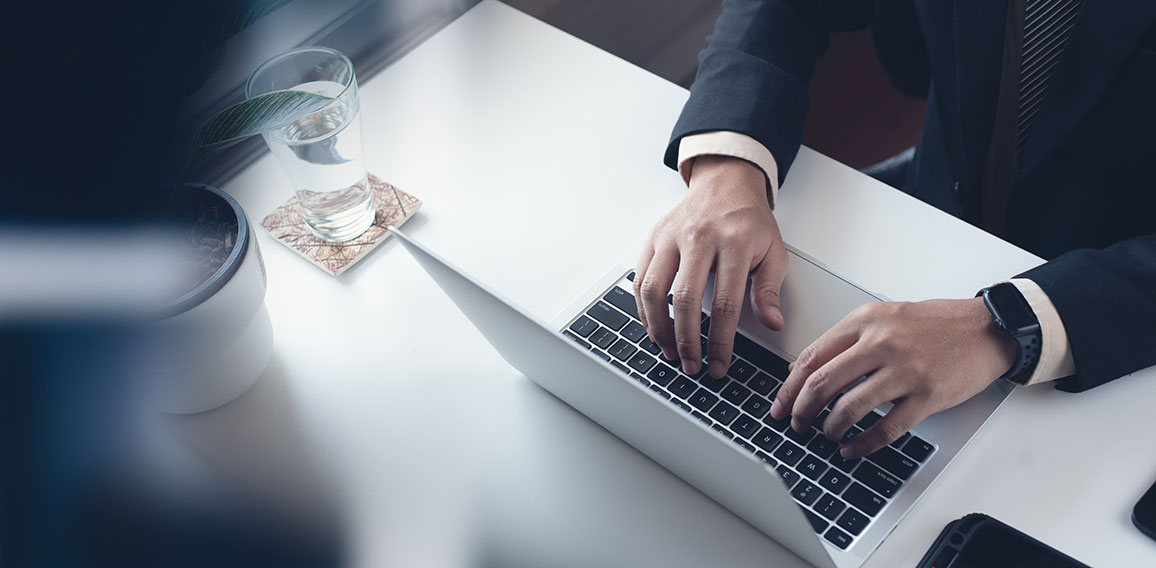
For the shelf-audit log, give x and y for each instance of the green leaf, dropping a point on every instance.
(253, 116)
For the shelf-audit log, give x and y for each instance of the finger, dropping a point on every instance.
(640, 273)
(881, 387)
(903, 417)
(766, 285)
(833, 341)
(693, 272)
(653, 290)
(821, 386)
(730, 282)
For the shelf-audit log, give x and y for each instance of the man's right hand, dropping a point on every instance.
(725, 224)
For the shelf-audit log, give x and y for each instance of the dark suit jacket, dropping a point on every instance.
(1086, 194)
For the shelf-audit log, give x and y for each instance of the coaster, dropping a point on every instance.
(287, 225)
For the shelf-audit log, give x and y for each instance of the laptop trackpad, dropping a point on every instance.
(813, 300)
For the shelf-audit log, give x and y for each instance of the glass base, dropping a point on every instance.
(344, 225)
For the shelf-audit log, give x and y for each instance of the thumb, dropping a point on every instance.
(766, 284)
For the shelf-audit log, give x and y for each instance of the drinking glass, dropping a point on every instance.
(321, 152)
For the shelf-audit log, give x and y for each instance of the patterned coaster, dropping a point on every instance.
(287, 225)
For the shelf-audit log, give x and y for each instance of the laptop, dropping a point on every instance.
(717, 434)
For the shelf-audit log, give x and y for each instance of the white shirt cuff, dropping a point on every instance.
(1055, 353)
(727, 143)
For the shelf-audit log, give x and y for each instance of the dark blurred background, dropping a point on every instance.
(99, 102)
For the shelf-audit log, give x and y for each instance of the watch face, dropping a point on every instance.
(1011, 307)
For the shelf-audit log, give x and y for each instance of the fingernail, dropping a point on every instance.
(690, 366)
(777, 410)
(717, 369)
(847, 452)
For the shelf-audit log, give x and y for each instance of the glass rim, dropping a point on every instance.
(298, 51)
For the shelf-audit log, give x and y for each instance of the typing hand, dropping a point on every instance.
(924, 357)
(724, 223)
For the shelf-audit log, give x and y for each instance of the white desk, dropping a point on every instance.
(538, 158)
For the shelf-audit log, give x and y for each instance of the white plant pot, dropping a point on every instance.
(217, 339)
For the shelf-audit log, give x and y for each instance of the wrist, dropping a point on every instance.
(728, 175)
(999, 348)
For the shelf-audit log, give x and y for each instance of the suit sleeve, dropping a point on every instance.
(1107, 301)
(752, 77)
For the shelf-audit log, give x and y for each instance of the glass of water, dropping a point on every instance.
(321, 152)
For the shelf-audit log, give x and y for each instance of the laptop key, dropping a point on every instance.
(633, 331)
(724, 412)
(838, 538)
(779, 425)
(817, 522)
(834, 481)
(869, 420)
(701, 417)
(745, 426)
(918, 448)
(702, 399)
(801, 438)
(622, 300)
(603, 337)
(894, 462)
(829, 506)
(583, 326)
(789, 453)
(762, 358)
(878, 480)
(735, 393)
(649, 346)
(601, 355)
(681, 405)
(620, 367)
(722, 430)
(851, 433)
(607, 316)
(762, 383)
(577, 339)
(661, 374)
(622, 349)
(864, 500)
(788, 475)
(705, 326)
(742, 371)
(714, 385)
(823, 446)
(744, 445)
(811, 467)
(767, 460)
(757, 406)
(767, 439)
(853, 521)
(844, 465)
(821, 420)
(806, 492)
(642, 362)
(682, 387)
(661, 392)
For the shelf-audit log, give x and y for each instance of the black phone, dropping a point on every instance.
(980, 541)
(1144, 513)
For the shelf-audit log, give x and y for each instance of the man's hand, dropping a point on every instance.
(724, 223)
(924, 356)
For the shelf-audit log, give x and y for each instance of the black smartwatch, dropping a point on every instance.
(1014, 317)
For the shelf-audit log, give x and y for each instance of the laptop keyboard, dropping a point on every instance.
(839, 497)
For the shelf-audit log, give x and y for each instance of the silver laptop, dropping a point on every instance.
(717, 435)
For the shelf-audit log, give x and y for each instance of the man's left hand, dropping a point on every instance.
(923, 356)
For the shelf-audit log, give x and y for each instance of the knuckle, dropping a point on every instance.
(650, 288)
(686, 344)
(731, 236)
(818, 381)
(805, 360)
(684, 298)
(698, 231)
(888, 431)
(724, 305)
(848, 409)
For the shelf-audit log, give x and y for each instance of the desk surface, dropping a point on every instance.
(538, 159)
